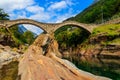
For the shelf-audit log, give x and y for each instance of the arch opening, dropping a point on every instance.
(77, 24)
(70, 36)
(21, 35)
(72, 26)
(27, 32)
(28, 23)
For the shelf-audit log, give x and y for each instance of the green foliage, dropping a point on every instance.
(25, 38)
(70, 37)
(3, 15)
(105, 9)
(18, 38)
(2, 30)
(28, 35)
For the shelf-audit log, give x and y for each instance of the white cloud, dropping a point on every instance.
(35, 9)
(39, 13)
(11, 5)
(58, 5)
(40, 17)
(22, 16)
(61, 17)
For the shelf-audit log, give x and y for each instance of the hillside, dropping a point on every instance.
(98, 12)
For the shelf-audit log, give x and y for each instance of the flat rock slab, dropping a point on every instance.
(39, 67)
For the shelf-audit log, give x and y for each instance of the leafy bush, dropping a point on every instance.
(70, 37)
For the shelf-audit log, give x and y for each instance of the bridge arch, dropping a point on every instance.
(26, 21)
(76, 24)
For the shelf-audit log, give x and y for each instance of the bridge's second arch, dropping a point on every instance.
(73, 24)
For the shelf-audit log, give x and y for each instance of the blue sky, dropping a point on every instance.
(48, 11)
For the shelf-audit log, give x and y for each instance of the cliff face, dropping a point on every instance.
(101, 49)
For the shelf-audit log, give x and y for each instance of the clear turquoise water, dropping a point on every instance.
(108, 67)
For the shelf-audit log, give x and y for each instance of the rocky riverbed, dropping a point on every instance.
(42, 61)
(8, 55)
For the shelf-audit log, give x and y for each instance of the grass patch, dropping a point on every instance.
(108, 30)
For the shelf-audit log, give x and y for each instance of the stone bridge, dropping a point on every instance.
(47, 27)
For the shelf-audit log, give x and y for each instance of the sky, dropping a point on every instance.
(47, 11)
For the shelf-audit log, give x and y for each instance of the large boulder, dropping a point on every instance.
(38, 66)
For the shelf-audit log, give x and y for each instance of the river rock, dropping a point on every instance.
(37, 66)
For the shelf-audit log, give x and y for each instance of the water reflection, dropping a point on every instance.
(98, 66)
(109, 67)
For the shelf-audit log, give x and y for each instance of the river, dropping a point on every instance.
(108, 67)
(102, 66)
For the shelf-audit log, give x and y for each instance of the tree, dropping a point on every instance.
(28, 35)
(70, 37)
(3, 15)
